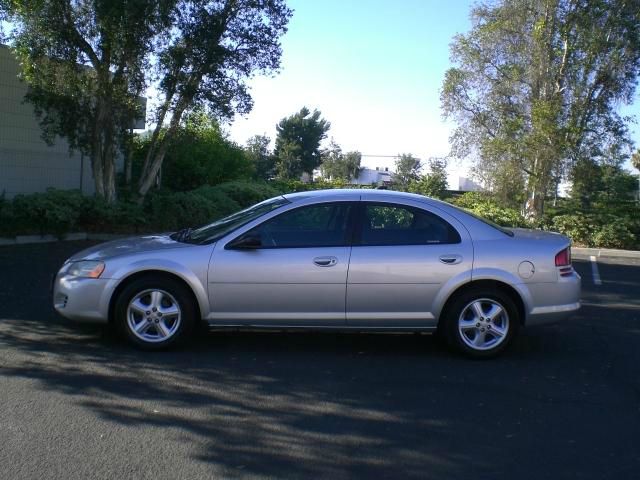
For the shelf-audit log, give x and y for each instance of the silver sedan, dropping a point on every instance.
(358, 260)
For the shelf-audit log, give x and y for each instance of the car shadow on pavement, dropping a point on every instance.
(293, 405)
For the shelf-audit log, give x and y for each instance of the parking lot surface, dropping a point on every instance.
(77, 403)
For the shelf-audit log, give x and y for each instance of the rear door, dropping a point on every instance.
(401, 258)
(297, 276)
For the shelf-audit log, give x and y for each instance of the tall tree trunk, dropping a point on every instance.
(109, 171)
(154, 163)
(98, 173)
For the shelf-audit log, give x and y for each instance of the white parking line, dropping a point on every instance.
(594, 271)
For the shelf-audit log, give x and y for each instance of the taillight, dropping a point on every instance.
(563, 258)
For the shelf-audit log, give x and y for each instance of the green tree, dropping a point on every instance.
(305, 130)
(259, 154)
(214, 48)
(586, 182)
(536, 84)
(591, 182)
(85, 65)
(340, 166)
(289, 161)
(407, 169)
(200, 154)
(434, 182)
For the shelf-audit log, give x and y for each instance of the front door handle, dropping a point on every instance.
(451, 259)
(325, 261)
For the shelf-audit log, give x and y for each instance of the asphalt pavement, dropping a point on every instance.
(77, 403)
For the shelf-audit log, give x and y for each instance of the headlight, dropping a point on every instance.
(85, 268)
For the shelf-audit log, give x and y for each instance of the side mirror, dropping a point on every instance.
(250, 241)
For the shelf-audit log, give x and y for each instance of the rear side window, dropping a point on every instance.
(323, 225)
(389, 224)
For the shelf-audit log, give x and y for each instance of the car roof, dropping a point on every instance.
(355, 194)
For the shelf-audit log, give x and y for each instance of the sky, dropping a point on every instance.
(374, 68)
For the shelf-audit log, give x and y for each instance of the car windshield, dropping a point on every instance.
(218, 229)
(484, 220)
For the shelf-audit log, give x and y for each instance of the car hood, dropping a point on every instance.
(128, 246)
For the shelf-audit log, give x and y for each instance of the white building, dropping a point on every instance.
(379, 176)
(463, 184)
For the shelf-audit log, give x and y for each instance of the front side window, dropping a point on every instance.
(323, 225)
(387, 224)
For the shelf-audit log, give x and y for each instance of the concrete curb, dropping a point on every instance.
(605, 252)
(70, 237)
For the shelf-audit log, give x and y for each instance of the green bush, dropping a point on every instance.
(60, 212)
(505, 217)
(54, 211)
(481, 204)
(243, 193)
(123, 217)
(6, 217)
(172, 211)
(471, 199)
(199, 154)
(599, 230)
(577, 227)
(292, 186)
(615, 235)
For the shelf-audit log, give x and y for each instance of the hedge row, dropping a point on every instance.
(62, 211)
(607, 228)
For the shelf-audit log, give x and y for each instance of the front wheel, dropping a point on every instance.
(155, 313)
(481, 323)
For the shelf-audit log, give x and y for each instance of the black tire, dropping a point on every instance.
(175, 291)
(452, 329)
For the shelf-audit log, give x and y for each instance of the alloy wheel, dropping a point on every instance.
(153, 316)
(483, 324)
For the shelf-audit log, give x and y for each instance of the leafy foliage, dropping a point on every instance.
(199, 155)
(483, 205)
(172, 211)
(298, 141)
(258, 153)
(536, 87)
(214, 47)
(340, 166)
(244, 194)
(60, 212)
(434, 183)
(407, 169)
(592, 182)
(599, 230)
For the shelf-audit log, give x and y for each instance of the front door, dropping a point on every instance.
(294, 274)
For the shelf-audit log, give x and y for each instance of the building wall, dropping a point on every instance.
(370, 176)
(27, 163)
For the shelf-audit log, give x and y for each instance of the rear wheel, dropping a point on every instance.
(481, 323)
(155, 313)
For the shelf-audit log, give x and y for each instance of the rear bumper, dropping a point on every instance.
(551, 314)
(554, 302)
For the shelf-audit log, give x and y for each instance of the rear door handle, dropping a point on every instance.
(451, 259)
(325, 261)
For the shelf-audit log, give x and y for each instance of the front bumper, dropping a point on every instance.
(81, 299)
